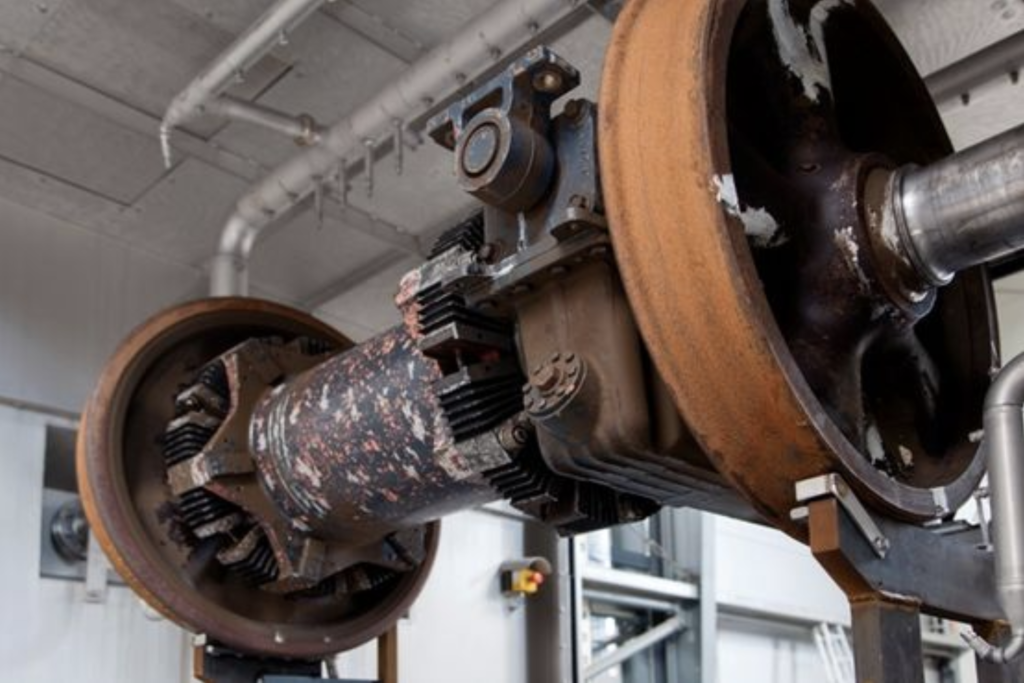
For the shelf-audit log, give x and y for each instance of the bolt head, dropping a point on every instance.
(547, 81)
(546, 378)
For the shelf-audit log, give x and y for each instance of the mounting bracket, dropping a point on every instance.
(833, 485)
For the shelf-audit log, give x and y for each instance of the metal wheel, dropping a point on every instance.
(738, 142)
(128, 501)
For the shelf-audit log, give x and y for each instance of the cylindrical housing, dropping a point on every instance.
(359, 446)
(964, 210)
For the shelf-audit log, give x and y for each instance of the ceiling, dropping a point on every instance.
(83, 84)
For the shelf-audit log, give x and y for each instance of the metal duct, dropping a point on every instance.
(256, 41)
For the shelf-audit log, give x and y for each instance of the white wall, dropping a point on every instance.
(461, 629)
(47, 631)
(67, 297)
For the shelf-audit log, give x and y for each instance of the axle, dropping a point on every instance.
(965, 210)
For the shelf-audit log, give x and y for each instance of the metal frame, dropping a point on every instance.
(888, 595)
(685, 542)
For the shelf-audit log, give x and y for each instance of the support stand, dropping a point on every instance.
(887, 641)
(214, 663)
(913, 570)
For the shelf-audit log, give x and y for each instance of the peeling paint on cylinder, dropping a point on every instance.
(354, 447)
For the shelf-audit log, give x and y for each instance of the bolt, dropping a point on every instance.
(547, 81)
(547, 378)
(573, 109)
(520, 434)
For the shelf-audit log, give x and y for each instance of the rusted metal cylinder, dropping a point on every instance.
(358, 446)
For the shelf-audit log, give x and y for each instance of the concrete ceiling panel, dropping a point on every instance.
(302, 258)
(428, 21)
(182, 215)
(334, 70)
(53, 197)
(21, 21)
(44, 132)
(140, 51)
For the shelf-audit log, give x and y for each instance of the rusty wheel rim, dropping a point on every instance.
(132, 535)
(693, 282)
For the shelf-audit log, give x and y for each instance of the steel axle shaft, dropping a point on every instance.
(965, 210)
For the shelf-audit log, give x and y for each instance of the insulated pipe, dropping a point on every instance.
(1004, 448)
(239, 56)
(500, 31)
(965, 210)
(303, 129)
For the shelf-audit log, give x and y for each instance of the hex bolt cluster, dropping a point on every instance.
(553, 383)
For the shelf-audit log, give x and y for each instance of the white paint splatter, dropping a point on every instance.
(876, 449)
(907, 456)
(309, 472)
(325, 402)
(848, 244)
(759, 225)
(419, 429)
(850, 249)
(802, 49)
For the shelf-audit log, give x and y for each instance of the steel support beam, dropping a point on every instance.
(887, 642)
(632, 583)
(550, 645)
(636, 645)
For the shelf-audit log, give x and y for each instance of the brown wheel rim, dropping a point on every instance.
(666, 134)
(121, 491)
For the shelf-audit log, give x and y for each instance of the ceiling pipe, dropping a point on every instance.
(497, 33)
(246, 50)
(999, 60)
(302, 129)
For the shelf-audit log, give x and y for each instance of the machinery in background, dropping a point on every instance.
(752, 282)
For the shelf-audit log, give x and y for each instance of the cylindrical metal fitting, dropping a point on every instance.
(1004, 450)
(964, 210)
(359, 446)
